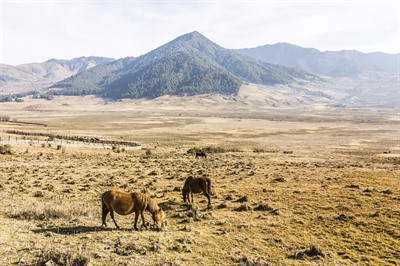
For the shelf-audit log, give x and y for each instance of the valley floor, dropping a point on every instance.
(306, 186)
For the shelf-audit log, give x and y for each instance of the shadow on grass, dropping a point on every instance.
(76, 230)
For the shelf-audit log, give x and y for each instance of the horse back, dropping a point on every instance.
(141, 200)
(119, 201)
(197, 184)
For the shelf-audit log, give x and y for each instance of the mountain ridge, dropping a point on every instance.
(204, 67)
(189, 64)
(40, 75)
(344, 63)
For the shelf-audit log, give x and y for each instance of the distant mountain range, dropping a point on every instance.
(190, 64)
(39, 75)
(344, 63)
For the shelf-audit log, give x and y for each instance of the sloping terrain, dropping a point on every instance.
(191, 64)
(363, 79)
(14, 79)
(344, 63)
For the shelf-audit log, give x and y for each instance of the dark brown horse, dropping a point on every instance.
(201, 154)
(197, 185)
(125, 203)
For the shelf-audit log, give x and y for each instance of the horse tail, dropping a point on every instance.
(209, 185)
(104, 210)
(103, 204)
(102, 200)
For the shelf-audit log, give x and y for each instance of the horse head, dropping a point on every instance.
(158, 216)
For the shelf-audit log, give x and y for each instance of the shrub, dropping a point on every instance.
(148, 152)
(52, 256)
(45, 212)
(210, 149)
(258, 150)
(5, 149)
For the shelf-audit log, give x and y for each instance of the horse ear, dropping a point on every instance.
(159, 210)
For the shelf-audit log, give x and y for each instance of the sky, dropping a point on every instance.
(36, 31)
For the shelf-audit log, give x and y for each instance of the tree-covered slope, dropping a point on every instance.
(190, 64)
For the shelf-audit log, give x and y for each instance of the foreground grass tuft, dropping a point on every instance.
(53, 256)
(45, 212)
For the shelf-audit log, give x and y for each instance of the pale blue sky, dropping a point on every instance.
(35, 31)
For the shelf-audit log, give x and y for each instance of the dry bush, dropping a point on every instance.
(211, 149)
(245, 261)
(148, 152)
(312, 252)
(5, 149)
(45, 212)
(53, 256)
(262, 150)
(168, 262)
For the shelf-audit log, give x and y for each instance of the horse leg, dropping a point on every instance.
(184, 195)
(136, 219)
(112, 216)
(144, 225)
(192, 197)
(209, 199)
(104, 213)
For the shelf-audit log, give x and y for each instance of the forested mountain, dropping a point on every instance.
(346, 63)
(190, 64)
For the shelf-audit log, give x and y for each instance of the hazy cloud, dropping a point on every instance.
(39, 30)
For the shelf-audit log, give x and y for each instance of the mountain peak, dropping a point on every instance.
(191, 35)
(194, 39)
(190, 64)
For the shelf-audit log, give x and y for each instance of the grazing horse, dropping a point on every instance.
(197, 185)
(201, 154)
(125, 203)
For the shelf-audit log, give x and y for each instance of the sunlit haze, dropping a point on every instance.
(35, 31)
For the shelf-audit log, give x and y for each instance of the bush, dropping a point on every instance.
(258, 150)
(148, 152)
(5, 149)
(46, 212)
(210, 149)
(52, 256)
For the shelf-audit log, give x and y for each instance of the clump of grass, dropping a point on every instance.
(245, 261)
(53, 256)
(258, 150)
(214, 149)
(148, 152)
(312, 252)
(262, 150)
(45, 212)
(6, 149)
(168, 262)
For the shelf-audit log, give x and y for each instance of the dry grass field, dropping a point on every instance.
(291, 186)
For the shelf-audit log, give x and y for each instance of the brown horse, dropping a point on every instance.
(197, 185)
(125, 203)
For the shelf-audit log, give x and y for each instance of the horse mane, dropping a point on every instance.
(146, 201)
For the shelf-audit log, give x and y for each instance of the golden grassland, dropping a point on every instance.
(289, 188)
